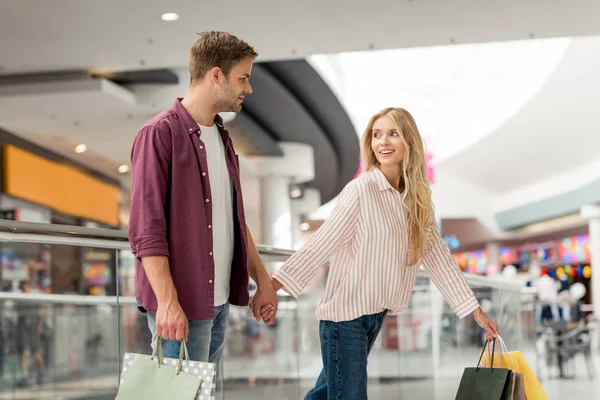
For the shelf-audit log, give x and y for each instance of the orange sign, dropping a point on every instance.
(58, 187)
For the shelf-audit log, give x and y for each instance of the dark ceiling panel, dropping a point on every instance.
(135, 77)
(304, 82)
(145, 76)
(274, 107)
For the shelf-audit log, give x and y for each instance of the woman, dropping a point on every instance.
(381, 230)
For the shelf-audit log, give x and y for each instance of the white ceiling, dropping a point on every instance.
(555, 132)
(42, 36)
(457, 94)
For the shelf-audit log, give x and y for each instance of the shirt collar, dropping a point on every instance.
(191, 126)
(380, 179)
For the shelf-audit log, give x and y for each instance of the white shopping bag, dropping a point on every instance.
(204, 370)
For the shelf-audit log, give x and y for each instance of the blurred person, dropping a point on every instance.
(564, 297)
(546, 306)
(381, 230)
(30, 325)
(194, 252)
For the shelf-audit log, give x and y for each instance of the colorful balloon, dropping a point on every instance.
(587, 272)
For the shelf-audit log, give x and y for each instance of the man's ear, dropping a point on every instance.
(216, 75)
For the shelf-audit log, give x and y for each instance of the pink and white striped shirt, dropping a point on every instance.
(366, 241)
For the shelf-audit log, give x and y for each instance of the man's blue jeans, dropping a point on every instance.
(345, 347)
(205, 342)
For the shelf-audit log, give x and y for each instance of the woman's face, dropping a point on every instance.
(386, 142)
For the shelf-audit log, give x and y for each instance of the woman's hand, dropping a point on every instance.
(489, 326)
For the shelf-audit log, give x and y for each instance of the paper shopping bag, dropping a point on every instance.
(519, 386)
(485, 383)
(157, 378)
(515, 360)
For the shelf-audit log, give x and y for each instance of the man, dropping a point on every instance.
(187, 226)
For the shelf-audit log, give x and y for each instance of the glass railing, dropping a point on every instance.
(64, 335)
(461, 341)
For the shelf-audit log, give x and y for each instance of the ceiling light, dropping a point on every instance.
(80, 148)
(123, 169)
(169, 17)
(304, 226)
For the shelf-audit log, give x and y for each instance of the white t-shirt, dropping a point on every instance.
(222, 210)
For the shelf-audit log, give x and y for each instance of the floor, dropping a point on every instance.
(259, 386)
(440, 389)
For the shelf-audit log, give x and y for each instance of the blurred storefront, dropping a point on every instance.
(40, 187)
(563, 255)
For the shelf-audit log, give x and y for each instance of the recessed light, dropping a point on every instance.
(169, 17)
(80, 148)
(123, 169)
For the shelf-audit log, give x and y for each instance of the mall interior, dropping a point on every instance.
(505, 94)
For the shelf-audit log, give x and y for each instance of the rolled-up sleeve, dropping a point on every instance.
(150, 165)
(337, 231)
(447, 276)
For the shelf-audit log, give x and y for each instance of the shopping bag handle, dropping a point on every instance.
(500, 351)
(157, 352)
(483, 351)
(503, 347)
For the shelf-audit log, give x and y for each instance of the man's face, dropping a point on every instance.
(233, 90)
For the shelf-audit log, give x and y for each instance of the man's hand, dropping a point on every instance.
(489, 326)
(265, 302)
(171, 322)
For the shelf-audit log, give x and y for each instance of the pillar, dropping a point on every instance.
(305, 205)
(592, 214)
(276, 174)
(276, 211)
(493, 250)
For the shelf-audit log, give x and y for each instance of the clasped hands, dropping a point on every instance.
(265, 301)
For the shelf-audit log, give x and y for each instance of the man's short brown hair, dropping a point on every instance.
(217, 49)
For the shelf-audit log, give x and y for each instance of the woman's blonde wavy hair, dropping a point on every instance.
(414, 182)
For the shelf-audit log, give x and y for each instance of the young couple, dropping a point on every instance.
(194, 253)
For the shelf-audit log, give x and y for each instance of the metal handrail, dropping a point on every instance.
(69, 235)
(62, 230)
(68, 299)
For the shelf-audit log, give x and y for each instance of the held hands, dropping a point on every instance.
(171, 322)
(489, 326)
(265, 302)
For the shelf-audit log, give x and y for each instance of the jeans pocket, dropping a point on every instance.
(324, 332)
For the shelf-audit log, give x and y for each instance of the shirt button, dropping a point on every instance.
(191, 129)
(207, 200)
(210, 281)
(204, 174)
(210, 226)
(201, 147)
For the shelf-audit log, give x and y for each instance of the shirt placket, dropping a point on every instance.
(207, 203)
